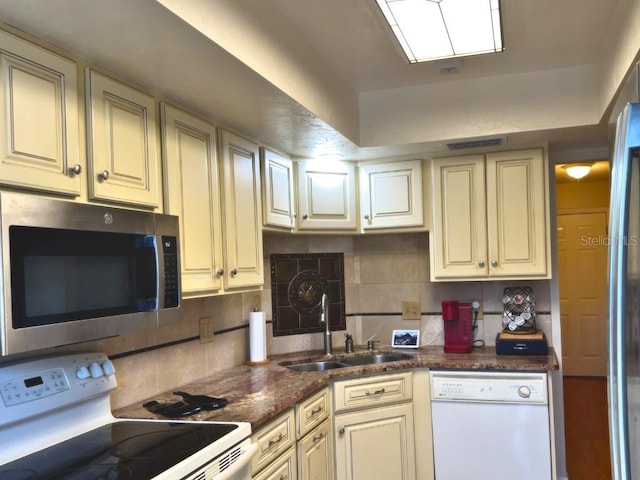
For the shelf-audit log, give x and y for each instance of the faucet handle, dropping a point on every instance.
(371, 344)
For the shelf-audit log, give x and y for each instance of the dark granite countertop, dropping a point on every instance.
(258, 393)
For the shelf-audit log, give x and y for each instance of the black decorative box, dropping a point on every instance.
(522, 344)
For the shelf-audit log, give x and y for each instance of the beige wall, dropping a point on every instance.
(380, 272)
(582, 195)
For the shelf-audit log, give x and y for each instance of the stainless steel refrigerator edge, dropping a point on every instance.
(624, 286)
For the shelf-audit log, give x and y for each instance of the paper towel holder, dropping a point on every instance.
(265, 361)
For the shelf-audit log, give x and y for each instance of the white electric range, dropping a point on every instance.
(56, 423)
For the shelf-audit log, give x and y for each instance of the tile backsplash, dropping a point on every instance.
(380, 272)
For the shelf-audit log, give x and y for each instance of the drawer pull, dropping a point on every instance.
(318, 437)
(273, 441)
(315, 410)
(375, 392)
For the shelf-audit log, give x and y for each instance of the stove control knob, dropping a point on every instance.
(82, 373)
(96, 370)
(524, 391)
(108, 368)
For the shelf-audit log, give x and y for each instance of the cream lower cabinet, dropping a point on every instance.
(391, 195)
(122, 146)
(276, 448)
(192, 192)
(315, 437)
(241, 212)
(374, 428)
(315, 454)
(326, 196)
(490, 216)
(39, 141)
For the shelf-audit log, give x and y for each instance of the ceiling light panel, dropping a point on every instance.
(435, 29)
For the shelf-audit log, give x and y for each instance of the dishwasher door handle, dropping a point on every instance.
(243, 461)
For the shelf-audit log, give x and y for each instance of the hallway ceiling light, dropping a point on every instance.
(435, 29)
(578, 170)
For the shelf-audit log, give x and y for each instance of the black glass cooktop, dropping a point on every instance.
(126, 449)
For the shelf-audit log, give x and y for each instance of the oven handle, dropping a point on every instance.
(248, 452)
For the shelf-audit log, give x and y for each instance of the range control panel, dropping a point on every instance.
(489, 387)
(32, 387)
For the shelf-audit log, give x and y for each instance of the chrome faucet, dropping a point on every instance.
(324, 318)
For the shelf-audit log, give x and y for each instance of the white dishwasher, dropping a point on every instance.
(492, 426)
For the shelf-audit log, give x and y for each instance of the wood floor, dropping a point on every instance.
(586, 428)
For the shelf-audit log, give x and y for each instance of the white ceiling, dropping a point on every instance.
(296, 75)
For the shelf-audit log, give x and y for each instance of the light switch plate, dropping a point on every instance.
(411, 311)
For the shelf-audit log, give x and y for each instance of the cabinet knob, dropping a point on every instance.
(77, 169)
(219, 272)
(234, 272)
(318, 437)
(481, 264)
(104, 175)
(341, 431)
(366, 217)
(294, 215)
(494, 263)
(305, 216)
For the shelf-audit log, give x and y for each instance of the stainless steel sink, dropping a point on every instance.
(374, 358)
(342, 362)
(315, 366)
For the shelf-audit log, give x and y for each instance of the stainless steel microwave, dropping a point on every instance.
(74, 272)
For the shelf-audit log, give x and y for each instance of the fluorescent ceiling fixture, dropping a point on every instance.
(435, 29)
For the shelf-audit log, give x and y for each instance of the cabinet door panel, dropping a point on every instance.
(376, 443)
(277, 189)
(40, 140)
(192, 193)
(516, 213)
(315, 454)
(122, 146)
(242, 210)
(459, 234)
(391, 194)
(327, 196)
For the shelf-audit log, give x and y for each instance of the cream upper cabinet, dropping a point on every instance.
(192, 192)
(122, 148)
(490, 216)
(391, 194)
(39, 103)
(277, 189)
(242, 210)
(326, 195)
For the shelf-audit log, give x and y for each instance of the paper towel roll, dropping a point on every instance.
(257, 337)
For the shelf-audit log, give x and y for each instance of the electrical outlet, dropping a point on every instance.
(479, 308)
(411, 311)
(206, 329)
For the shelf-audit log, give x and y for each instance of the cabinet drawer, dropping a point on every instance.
(273, 439)
(311, 411)
(372, 391)
(283, 468)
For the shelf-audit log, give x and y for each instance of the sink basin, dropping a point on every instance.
(343, 362)
(315, 366)
(374, 358)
